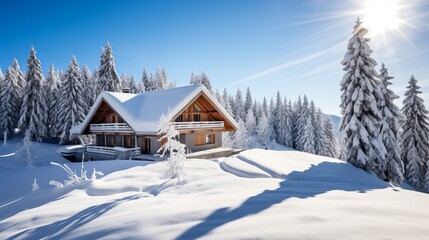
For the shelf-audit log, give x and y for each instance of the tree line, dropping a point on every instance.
(46, 107)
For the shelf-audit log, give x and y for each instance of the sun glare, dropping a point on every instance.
(381, 15)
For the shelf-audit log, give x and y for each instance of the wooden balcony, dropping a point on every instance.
(198, 125)
(110, 127)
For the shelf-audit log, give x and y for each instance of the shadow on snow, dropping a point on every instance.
(318, 179)
(60, 229)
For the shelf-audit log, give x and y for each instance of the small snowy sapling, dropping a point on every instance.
(176, 149)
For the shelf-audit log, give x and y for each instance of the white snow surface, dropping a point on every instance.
(258, 194)
(143, 111)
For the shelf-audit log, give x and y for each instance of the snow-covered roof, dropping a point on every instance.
(143, 111)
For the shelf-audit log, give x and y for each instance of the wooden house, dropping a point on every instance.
(130, 123)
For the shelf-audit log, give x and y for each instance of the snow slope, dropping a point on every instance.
(259, 194)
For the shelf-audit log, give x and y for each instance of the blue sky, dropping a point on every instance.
(291, 46)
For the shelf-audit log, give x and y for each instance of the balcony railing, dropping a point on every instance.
(198, 125)
(110, 127)
(112, 150)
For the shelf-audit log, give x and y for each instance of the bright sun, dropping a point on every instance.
(381, 15)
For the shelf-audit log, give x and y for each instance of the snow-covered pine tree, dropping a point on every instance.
(295, 122)
(226, 102)
(206, 81)
(271, 119)
(144, 83)
(321, 141)
(286, 128)
(393, 166)
(107, 76)
(219, 97)
(240, 137)
(20, 76)
(87, 88)
(279, 119)
(152, 85)
(160, 80)
(9, 102)
(307, 137)
(301, 124)
(201, 79)
(359, 124)
(332, 141)
(194, 79)
(132, 85)
(52, 88)
(34, 109)
(72, 106)
(124, 80)
(250, 123)
(264, 130)
(414, 135)
(265, 106)
(94, 86)
(248, 101)
(176, 149)
(239, 106)
(257, 110)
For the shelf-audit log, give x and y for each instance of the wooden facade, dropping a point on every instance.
(200, 109)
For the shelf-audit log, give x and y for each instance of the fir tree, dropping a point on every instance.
(107, 76)
(393, 167)
(307, 137)
(9, 101)
(20, 76)
(250, 123)
(301, 124)
(144, 84)
(359, 125)
(332, 141)
(287, 125)
(279, 119)
(34, 109)
(206, 81)
(87, 88)
(271, 120)
(264, 130)
(226, 102)
(414, 135)
(248, 102)
(296, 122)
(240, 138)
(321, 141)
(52, 88)
(239, 106)
(132, 85)
(176, 149)
(72, 106)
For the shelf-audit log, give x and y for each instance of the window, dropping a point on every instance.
(210, 138)
(113, 119)
(197, 117)
(202, 139)
(179, 118)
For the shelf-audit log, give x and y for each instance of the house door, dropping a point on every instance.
(147, 145)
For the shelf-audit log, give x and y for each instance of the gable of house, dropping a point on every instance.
(141, 112)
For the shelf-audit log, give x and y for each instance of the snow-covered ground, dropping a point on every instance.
(259, 194)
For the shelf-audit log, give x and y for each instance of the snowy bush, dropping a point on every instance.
(176, 149)
(73, 177)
